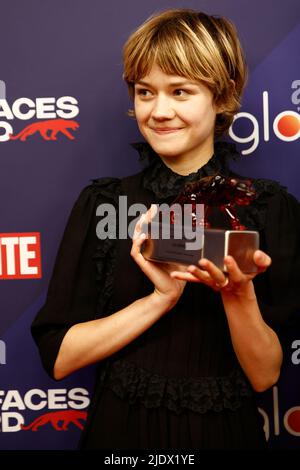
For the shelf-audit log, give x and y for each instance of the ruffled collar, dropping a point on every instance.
(164, 182)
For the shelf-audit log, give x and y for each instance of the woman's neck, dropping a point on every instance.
(186, 166)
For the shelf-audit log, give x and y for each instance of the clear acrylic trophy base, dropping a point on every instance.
(213, 244)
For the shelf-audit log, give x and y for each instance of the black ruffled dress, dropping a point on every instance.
(179, 384)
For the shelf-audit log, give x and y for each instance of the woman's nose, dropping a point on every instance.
(162, 108)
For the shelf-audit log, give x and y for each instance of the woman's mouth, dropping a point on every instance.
(165, 130)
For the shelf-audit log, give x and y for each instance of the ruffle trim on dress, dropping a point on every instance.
(105, 260)
(108, 187)
(164, 182)
(105, 253)
(254, 215)
(200, 394)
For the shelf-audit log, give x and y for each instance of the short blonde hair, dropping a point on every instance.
(193, 45)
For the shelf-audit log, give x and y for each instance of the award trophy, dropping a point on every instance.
(169, 237)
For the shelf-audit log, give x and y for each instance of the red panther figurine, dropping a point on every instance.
(225, 192)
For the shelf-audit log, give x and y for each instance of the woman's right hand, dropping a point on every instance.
(166, 288)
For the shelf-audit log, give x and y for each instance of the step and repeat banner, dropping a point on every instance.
(63, 122)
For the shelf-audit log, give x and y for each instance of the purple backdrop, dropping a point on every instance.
(62, 60)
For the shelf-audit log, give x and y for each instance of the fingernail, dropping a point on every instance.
(192, 268)
(260, 256)
(203, 263)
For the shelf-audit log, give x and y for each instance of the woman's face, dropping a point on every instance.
(176, 116)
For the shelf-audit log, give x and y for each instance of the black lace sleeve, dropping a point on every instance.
(75, 294)
(278, 288)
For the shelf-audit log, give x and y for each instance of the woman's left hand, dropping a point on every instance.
(234, 282)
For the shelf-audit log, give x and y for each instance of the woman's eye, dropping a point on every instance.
(143, 92)
(180, 92)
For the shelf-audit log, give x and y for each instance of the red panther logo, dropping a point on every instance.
(66, 416)
(53, 125)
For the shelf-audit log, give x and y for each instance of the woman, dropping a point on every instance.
(180, 351)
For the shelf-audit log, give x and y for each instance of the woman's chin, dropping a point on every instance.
(165, 151)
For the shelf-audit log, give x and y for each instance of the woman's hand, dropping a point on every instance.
(233, 283)
(166, 287)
